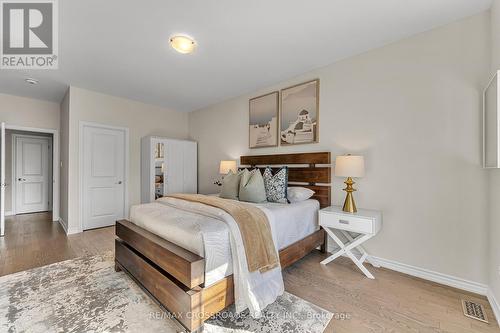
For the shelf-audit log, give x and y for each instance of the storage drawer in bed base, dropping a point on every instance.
(186, 267)
(191, 307)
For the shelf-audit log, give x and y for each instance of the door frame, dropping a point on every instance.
(82, 125)
(14, 169)
(55, 164)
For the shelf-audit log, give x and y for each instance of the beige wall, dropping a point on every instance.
(64, 157)
(494, 175)
(413, 110)
(27, 112)
(141, 119)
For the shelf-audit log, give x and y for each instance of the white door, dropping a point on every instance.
(175, 167)
(190, 167)
(103, 175)
(32, 174)
(2, 179)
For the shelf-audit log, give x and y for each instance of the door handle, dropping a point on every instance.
(119, 182)
(21, 179)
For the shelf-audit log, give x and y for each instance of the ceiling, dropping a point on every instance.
(120, 47)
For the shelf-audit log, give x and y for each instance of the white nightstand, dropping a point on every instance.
(366, 223)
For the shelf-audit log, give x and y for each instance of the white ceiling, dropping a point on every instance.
(120, 47)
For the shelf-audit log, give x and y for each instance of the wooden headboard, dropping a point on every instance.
(303, 171)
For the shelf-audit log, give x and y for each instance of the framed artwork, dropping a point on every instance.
(299, 119)
(263, 124)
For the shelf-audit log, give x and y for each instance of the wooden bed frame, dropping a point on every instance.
(174, 276)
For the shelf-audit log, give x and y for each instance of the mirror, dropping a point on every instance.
(159, 158)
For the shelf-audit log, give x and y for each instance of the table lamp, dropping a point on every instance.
(349, 166)
(224, 168)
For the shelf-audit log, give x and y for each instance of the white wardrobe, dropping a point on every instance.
(167, 166)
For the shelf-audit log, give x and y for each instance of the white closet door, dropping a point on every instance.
(175, 167)
(190, 167)
(103, 174)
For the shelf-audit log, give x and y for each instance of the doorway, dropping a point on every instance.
(29, 173)
(103, 170)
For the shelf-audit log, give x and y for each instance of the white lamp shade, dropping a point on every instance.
(226, 166)
(349, 166)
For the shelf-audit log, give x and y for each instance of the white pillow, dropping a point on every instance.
(298, 194)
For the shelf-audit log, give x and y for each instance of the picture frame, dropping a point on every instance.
(299, 114)
(263, 122)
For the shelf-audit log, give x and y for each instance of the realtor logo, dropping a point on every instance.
(29, 34)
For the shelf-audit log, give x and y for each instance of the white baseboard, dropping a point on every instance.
(63, 225)
(72, 231)
(445, 279)
(426, 274)
(69, 231)
(448, 280)
(11, 213)
(494, 304)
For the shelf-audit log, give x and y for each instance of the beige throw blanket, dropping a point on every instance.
(254, 229)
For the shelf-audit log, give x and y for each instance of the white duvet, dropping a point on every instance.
(213, 234)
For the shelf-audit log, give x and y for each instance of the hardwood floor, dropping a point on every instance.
(33, 240)
(393, 302)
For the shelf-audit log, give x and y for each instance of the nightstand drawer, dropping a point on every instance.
(349, 223)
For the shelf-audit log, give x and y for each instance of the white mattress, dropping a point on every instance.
(292, 222)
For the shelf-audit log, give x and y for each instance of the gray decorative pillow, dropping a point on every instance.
(276, 186)
(231, 186)
(252, 186)
(298, 194)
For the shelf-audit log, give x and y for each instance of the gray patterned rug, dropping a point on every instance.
(87, 295)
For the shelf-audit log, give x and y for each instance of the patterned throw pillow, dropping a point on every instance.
(276, 186)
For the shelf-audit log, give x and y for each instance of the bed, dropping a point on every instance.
(193, 282)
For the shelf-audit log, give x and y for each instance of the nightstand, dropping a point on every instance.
(366, 223)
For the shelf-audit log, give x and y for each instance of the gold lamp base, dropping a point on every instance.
(349, 205)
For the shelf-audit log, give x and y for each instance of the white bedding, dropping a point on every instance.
(210, 238)
(292, 223)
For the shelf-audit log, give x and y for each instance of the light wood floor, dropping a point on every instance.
(32, 240)
(393, 302)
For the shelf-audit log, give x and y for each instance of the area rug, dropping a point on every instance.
(87, 295)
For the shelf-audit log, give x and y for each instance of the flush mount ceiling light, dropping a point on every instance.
(31, 80)
(183, 44)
